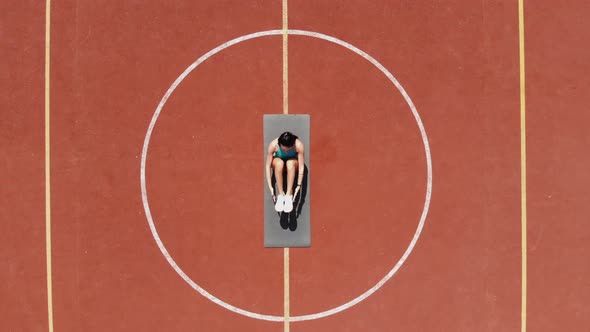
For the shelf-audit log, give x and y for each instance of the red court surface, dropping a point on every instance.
(112, 63)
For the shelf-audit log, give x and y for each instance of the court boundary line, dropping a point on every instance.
(523, 174)
(47, 166)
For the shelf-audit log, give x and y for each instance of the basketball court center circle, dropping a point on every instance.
(210, 296)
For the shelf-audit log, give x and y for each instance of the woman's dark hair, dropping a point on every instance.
(287, 139)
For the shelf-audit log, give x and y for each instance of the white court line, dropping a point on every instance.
(359, 298)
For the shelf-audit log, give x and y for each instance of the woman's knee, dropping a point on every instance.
(292, 165)
(278, 164)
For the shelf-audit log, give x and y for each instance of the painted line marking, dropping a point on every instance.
(285, 60)
(286, 295)
(47, 169)
(523, 184)
(286, 285)
(211, 297)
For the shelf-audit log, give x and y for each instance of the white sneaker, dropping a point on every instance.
(288, 204)
(280, 203)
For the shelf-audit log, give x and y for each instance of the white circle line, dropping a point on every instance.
(208, 295)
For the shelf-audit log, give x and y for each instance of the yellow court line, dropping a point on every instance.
(286, 287)
(286, 299)
(47, 169)
(523, 166)
(285, 61)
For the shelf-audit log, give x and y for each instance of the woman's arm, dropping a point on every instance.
(269, 157)
(300, 149)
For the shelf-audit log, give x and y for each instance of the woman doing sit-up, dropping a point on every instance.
(285, 155)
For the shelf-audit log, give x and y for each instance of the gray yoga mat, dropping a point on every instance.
(287, 229)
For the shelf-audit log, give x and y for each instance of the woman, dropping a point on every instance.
(285, 155)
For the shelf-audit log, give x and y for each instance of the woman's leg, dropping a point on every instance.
(292, 167)
(278, 165)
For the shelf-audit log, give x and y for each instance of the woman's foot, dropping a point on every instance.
(280, 203)
(288, 204)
